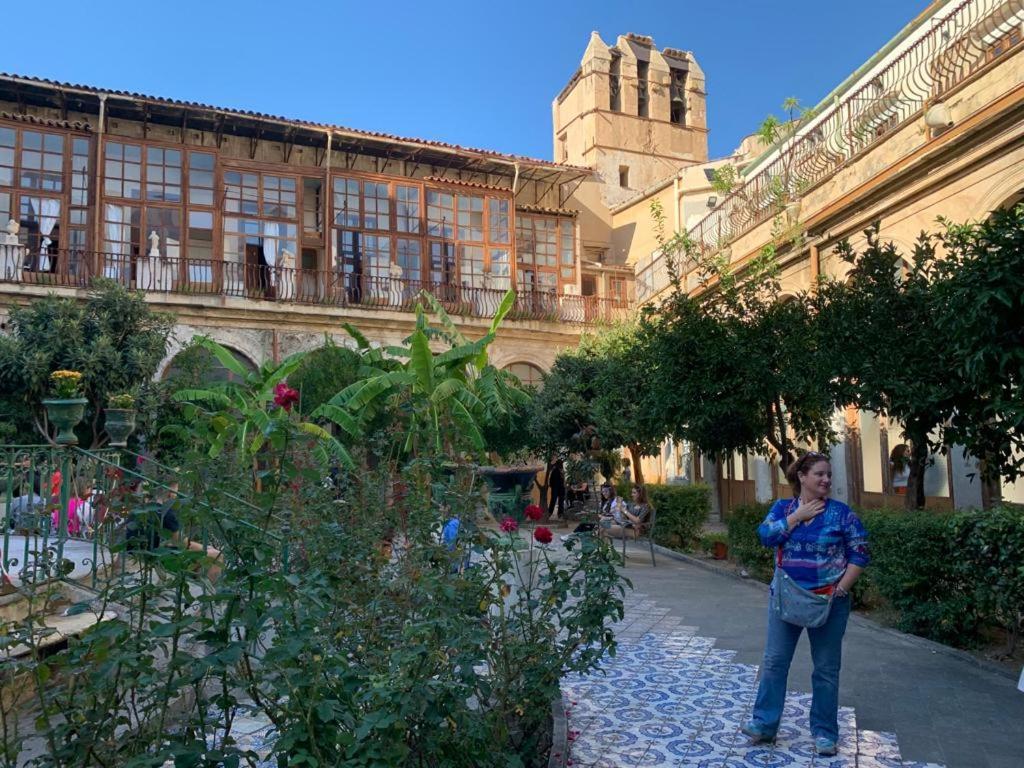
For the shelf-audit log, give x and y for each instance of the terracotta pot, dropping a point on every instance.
(720, 550)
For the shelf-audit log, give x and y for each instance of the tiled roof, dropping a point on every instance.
(462, 183)
(324, 126)
(550, 211)
(74, 126)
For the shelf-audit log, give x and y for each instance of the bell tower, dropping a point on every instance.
(634, 114)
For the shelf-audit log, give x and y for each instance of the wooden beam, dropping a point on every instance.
(289, 144)
(218, 131)
(184, 124)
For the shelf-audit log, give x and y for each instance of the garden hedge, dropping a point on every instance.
(945, 575)
(682, 511)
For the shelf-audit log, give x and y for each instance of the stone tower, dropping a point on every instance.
(633, 113)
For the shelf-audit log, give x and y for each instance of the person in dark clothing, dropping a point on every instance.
(556, 489)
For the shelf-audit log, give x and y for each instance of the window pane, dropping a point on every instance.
(440, 213)
(346, 202)
(122, 171)
(200, 246)
(42, 161)
(471, 218)
(7, 157)
(408, 256)
(376, 206)
(166, 222)
(497, 220)
(407, 204)
(471, 266)
(279, 197)
(442, 263)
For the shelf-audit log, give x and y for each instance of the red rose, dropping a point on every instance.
(543, 535)
(533, 512)
(285, 396)
(508, 525)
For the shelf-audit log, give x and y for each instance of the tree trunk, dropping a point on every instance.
(634, 455)
(777, 437)
(918, 464)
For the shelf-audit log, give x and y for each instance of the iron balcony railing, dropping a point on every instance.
(955, 47)
(360, 290)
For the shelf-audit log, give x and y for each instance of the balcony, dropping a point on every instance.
(283, 285)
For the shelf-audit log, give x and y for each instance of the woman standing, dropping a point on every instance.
(822, 546)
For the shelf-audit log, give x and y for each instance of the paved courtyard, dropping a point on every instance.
(685, 677)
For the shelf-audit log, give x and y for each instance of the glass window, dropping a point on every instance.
(471, 218)
(346, 202)
(7, 138)
(501, 268)
(471, 266)
(200, 246)
(377, 253)
(5, 207)
(442, 264)
(567, 249)
(40, 227)
(80, 172)
(166, 222)
(122, 232)
(200, 178)
(241, 193)
(407, 213)
(42, 161)
(497, 220)
(122, 171)
(440, 213)
(529, 375)
(409, 256)
(279, 198)
(376, 206)
(163, 174)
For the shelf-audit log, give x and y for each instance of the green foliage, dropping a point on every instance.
(991, 551)
(980, 295)
(709, 540)
(917, 566)
(744, 545)
(682, 511)
(113, 338)
(323, 373)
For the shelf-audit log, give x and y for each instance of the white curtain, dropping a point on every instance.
(47, 221)
(271, 229)
(118, 235)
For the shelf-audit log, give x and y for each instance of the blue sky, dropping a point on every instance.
(472, 73)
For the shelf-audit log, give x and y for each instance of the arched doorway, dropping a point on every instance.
(197, 364)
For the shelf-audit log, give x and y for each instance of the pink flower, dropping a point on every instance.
(508, 525)
(543, 535)
(533, 512)
(285, 396)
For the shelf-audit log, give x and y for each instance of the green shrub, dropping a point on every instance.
(992, 555)
(918, 567)
(682, 511)
(744, 545)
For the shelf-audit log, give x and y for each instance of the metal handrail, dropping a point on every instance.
(956, 47)
(372, 289)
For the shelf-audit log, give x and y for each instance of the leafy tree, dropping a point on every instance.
(883, 323)
(323, 373)
(733, 368)
(979, 308)
(113, 338)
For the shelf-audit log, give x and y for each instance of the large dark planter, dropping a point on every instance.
(65, 416)
(509, 486)
(119, 424)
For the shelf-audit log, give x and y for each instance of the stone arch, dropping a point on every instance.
(245, 345)
(1009, 190)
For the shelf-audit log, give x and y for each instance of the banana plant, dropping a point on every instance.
(255, 412)
(441, 400)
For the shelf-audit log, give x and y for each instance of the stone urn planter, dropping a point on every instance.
(119, 423)
(65, 415)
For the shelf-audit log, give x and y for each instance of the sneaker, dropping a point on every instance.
(754, 732)
(823, 745)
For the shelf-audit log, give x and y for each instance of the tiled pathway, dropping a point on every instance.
(671, 698)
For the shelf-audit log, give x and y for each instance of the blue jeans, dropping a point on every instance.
(826, 653)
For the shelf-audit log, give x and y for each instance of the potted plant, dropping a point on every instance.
(715, 544)
(119, 418)
(67, 407)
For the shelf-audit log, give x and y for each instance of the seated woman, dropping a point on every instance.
(635, 517)
(613, 511)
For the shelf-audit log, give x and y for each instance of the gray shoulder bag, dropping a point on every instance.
(797, 605)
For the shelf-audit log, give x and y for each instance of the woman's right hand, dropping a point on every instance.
(808, 510)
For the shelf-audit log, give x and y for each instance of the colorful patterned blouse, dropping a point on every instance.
(817, 551)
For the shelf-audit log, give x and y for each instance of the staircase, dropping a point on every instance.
(669, 697)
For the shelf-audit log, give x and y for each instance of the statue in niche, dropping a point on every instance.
(154, 245)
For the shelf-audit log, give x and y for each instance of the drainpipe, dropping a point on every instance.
(97, 225)
(515, 179)
(675, 203)
(327, 197)
(815, 267)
